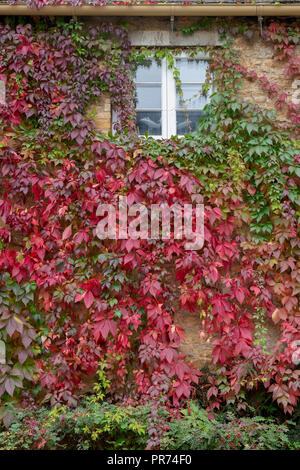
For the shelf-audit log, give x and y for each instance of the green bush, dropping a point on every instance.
(294, 431)
(90, 426)
(197, 430)
(99, 426)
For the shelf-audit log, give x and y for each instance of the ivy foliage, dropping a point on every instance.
(70, 301)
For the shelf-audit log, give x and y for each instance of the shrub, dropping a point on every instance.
(197, 430)
(90, 426)
(294, 431)
(99, 426)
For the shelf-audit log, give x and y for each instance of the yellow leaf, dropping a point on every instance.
(275, 316)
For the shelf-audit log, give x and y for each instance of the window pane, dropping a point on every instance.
(191, 70)
(152, 73)
(149, 121)
(148, 96)
(187, 121)
(191, 97)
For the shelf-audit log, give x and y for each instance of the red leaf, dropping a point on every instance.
(104, 327)
(240, 295)
(67, 232)
(181, 368)
(10, 386)
(169, 354)
(182, 389)
(79, 297)
(88, 299)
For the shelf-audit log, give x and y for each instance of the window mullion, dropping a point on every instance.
(171, 103)
(164, 99)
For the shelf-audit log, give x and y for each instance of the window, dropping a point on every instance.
(162, 109)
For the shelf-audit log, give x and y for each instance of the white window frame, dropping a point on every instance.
(168, 95)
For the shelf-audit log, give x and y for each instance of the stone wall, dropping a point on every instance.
(255, 55)
(101, 113)
(198, 349)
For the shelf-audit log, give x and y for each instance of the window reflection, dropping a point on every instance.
(187, 121)
(150, 72)
(190, 100)
(192, 70)
(148, 97)
(149, 121)
(191, 97)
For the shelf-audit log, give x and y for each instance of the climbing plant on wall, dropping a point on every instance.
(72, 304)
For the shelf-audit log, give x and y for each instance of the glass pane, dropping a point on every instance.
(148, 96)
(149, 121)
(191, 70)
(191, 97)
(187, 121)
(151, 73)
